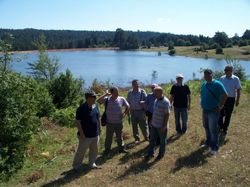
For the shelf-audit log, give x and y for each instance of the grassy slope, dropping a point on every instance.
(185, 163)
(188, 51)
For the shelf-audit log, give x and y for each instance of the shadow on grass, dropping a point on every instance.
(195, 159)
(69, 176)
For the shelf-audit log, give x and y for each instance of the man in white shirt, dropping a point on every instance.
(233, 86)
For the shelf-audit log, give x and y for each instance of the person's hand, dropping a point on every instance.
(108, 92)
(237, 103)
(122, 116)
(144, 116)
(217, 110)
(141, 103)
(162, 130)
(82, 137)
(171, 107)
(188, 107)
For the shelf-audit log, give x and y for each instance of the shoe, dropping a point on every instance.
(75, 171)
(204, 145)
(105, 154)
(147, 139)
(137, 141)
(225, 131)
(147, 157)
(123, 151)
(213, 152)
(94, 166)
(158, 158)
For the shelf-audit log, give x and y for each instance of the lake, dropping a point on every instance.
(121, 67)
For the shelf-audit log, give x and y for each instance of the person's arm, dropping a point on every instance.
(165, 122)
(79, 127)
(189, 101)
(171, 101)
(100, 126)
(238, 98)
(100, 100)
(223, 101)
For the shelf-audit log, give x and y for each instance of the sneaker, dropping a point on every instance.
(158, 158)
(213, 152)
(75, 171)
(225, 132)
(147, 157)
(137, 141)
(94, 166)
(204, 145)
(123, 151)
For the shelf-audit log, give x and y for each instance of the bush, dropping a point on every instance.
(219, 50)
(170, 47)
(66, 91)
(21, 101)
(172, 52)
(65, 117)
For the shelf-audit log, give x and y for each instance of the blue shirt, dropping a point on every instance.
(133, 98)
(89, 120)
(231, 84)
(150, 102)
(208, 100)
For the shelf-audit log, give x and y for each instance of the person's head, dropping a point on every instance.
(114, 92)
(158, 92)
(208, 75)
(153, 86)
(135, 84)
(90, 96)
(179, 79)
(228, 70)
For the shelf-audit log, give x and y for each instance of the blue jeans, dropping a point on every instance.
(210, 123)
(180, 112)
(154, 133)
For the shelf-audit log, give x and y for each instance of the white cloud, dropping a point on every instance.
(163, 21)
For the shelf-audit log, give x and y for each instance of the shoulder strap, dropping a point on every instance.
(212, 93)
(106, 104)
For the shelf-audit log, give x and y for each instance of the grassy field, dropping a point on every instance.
(235, 52)
(50, 154)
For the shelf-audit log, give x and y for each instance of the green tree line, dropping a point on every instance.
(68, 39)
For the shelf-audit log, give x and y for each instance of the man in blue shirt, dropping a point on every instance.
(213, 97)
(89, 127)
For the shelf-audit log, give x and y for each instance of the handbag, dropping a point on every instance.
(223, 110)
(104, 115)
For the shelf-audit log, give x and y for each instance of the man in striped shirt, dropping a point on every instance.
(159, 124)
(114, 118)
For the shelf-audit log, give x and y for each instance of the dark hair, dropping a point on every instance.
(113, 88)
(135, 80)
(229, 66)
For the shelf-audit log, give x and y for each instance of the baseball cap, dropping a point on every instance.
(90, 93)
(208, 71)
(179, 76)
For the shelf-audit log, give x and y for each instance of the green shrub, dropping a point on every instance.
(219, 50)
(21, 101)
(65, 117)
(172, 52)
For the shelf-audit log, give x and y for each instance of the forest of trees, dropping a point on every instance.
(68, 39)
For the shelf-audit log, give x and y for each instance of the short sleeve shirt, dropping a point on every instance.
(150, 102)
(161, 108)
(133, 98)
(180, 94)
(208, 100)
(89, 118)
(114, 108)
(231, 85)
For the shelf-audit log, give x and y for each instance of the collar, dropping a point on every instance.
(160, 99)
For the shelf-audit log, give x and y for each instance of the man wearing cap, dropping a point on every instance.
(159, 124)
(114, 112)
(135, 97)
(89, 127)
(233, 86)
(180, 96)
(213, 97)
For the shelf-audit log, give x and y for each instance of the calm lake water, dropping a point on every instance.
(121, 67)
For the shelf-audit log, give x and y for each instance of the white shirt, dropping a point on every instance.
(231, 84)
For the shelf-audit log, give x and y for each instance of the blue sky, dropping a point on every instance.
(195, 17)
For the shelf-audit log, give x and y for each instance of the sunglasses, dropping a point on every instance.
(207, 73)
(226, 69)
(93, 97)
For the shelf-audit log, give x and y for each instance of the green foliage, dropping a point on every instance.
(219, 50)
(170, 47)
(172, 52)
(221, 38)
(97, 86)
(242, 43)
(21, 100)
(44, 68)
(65, 90)
(246, 88)
(246, 35)
(65, 117)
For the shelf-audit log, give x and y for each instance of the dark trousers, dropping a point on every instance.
(229, 107)
(150, 115)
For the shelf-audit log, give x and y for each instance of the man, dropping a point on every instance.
(114, 118)
(232, 86)
(159, 124)
(134, 98)
(213, 97)
(89, 127)
(180, 95)
(148, 108)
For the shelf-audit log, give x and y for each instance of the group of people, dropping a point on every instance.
(151, 113)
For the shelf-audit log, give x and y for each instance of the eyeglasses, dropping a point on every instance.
(207, 73)
(226, 69)
(93, 97)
